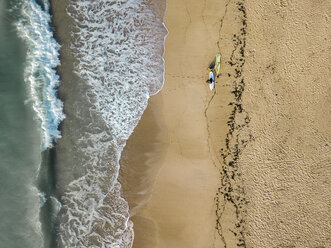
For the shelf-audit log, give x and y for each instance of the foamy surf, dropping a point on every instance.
(118, 45)
(41, 81)
(40, 75)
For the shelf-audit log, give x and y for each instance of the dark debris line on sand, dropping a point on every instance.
(238, 136)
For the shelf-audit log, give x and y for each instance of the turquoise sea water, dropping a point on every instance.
(30, 115)
(19, 141)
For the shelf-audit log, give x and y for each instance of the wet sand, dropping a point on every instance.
(248, 164)
(170, 170)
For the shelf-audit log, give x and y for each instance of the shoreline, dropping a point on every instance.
(69, 92)
(173, 171)
(170, 172)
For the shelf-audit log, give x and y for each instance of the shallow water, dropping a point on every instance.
(116, 48)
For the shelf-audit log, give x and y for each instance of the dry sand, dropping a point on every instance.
(286, 169)
(247, 164)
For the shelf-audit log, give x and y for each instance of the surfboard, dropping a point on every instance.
(211, 76)
(218, 64)
(212, 85)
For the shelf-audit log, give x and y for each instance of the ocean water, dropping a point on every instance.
(30, 114)
(117, 48)
(63, 127)
(41, 60)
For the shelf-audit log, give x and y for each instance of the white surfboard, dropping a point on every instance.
(212, 84)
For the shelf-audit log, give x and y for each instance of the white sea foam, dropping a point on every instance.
(33, 213)
(42, 198)
(119, 46)
(56, 206)
(40, 75)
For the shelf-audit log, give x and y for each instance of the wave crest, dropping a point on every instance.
(40, 74)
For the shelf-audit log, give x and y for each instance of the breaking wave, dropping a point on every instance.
(40, 74)
(118, 45)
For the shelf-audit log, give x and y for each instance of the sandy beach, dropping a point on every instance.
(286, 169)
(170, 168)
(112, 136)
(247, 164)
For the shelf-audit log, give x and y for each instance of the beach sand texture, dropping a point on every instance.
(286, 169)
(247, 164)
